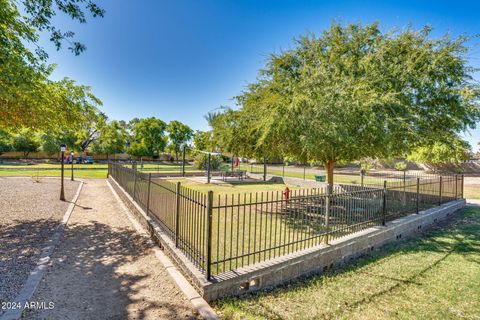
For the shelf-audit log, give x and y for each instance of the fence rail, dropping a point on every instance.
(222, 232)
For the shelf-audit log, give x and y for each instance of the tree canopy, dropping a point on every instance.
(445, 151)
(353, 92)
(178, 135)
(113, 139)
(147, 137)
(27, 97)
(25, 141)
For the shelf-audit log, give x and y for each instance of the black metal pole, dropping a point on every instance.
(148, 193)
(327, 213)
(134, 181)
(209, 167)
(384, 203)
(183, 161)
(456, 187)
(264, 169)
(209, 234)
(418, 194)
(440, 192)
(62, 191)
(177, 213)
(304, 168)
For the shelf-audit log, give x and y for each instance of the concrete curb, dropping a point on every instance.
(30, 286)
(473, 202)
(182, 283)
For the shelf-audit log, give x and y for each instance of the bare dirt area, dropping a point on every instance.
(103, 269)
(30, 211)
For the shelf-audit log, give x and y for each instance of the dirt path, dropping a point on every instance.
(102, 268)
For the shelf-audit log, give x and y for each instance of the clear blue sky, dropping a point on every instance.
(180, 59)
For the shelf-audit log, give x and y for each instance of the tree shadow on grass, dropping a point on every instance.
(83, 280)
(459, 236)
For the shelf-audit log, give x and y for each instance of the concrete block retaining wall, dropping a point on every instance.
(286, 268)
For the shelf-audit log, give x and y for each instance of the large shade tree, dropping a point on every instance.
(27, 97)
(147, 137)
(113, 139)
(354, 92)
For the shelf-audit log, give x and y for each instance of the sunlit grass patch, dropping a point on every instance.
(435, 277)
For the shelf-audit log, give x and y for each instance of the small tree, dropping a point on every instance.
(202, 140)
(25, 142)
(178, 135)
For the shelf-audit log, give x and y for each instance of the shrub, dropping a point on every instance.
(401, 166)
(366, 166)
(201, 161)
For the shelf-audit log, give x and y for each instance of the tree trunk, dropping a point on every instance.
(329, 165)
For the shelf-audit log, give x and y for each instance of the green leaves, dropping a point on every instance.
(113, 139)
(178, 135)
(25, 142)
(27, 97)
(351, 93)
(148, 137)
(448, 150)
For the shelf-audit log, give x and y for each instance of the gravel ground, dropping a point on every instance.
(103, 269)
(29, 213)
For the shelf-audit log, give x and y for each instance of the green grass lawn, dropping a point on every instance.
(50, 166)
(472, 192)
(434, 277)
(54, 173)
(338, 178)
(233, 187)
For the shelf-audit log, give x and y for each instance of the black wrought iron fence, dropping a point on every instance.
(222, 232)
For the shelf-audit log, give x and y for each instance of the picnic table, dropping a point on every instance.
(240, 174)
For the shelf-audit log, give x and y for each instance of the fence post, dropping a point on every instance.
(209, 167)
(283, 170)
(462, 186)
(384, 203)
(264, 169)
(108, 168)
(209, 234)
(440, 192)
(183, 160)
(327, 213)
(148, 193)
(134, 181)
(177, 212)
(456, 187)
(418, 194)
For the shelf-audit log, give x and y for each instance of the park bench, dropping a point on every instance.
(320, 178)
